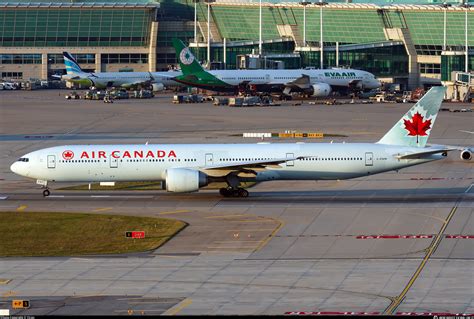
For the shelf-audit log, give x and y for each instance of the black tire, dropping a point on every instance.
(223, 192)
(46, 193)
(243, 193)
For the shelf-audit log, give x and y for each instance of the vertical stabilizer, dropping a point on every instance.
(188, 63)
(71, 64)
(414, 128)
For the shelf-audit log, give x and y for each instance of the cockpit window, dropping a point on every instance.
(23, 159)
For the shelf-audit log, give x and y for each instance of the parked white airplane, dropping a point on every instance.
(187, 167)
(102, 80)
(314, 82)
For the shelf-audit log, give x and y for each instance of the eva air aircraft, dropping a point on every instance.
(188, 167)
(314, 82)
(103, 80)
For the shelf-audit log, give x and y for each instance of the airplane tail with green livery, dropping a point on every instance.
(193, 73)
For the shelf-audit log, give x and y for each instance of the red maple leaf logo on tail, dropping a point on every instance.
(417, 126)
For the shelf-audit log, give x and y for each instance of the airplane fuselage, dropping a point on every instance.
(319, 161)
(333, 77)
(277, 80)
(104, 80)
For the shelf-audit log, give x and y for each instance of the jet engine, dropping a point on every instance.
(320, 90)
(466, 154)
(157, 87)
(182, 180)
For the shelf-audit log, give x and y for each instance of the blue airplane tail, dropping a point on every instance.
(71, 64)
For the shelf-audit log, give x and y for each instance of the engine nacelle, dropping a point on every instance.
(321, 90)
(466, 154)
(182, 180)
(157, 87)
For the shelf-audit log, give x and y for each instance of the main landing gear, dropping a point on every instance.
(232, 192)
(46, 192)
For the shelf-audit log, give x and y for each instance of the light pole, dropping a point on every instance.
(260, 30)
(321, 3)
(195, 20)
(304, 4)
(209, 30)
(466, 6)
(445, 6)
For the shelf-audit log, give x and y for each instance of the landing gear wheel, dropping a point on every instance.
(242, 192)
(228, 192)
(46, 193)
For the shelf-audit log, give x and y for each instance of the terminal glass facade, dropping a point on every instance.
(124, 58)
(72, 27)
(83, 58)
(20, 58)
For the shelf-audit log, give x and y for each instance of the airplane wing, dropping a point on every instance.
(425, 153)
(69, 77)
(303, 82)
(250, 167)
(355, 84)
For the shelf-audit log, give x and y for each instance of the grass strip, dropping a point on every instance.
(66, 234)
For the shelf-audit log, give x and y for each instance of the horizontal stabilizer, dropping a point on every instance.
(425, 154)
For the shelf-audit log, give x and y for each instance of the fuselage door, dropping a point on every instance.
(369, 159)
(51, 161)
(290, 163)
(113, 162)
(209, 159)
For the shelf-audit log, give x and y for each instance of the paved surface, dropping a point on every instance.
(290, 246)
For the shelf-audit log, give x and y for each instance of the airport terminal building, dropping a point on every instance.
(416, 43)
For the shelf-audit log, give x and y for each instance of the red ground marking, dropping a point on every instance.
(459, 236)
(330, 313)
(378, 313)
(393, 236)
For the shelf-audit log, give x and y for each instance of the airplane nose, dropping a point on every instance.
(15, 168)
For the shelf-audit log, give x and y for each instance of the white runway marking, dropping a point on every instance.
(3, 197)
(468, 189)
(99, 196)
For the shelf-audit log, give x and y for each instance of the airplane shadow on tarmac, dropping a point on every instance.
(405, 195)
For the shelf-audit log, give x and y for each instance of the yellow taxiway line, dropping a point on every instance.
(429, 251)
(174, 310)
(174, 212)
(273, 233)
(102, 209)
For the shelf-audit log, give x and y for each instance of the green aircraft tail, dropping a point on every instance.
(187, 61)
(193, 72)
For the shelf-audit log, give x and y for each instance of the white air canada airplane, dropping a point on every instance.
(187, 167)
(101, 80)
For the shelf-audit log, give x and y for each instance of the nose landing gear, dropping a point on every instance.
(44, 185)
(234, 192)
